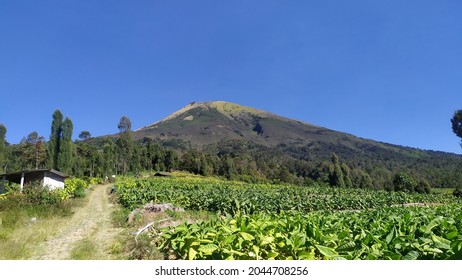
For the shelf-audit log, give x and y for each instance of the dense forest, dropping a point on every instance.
(334, 165)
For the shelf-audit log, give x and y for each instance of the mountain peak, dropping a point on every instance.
(228, 109)
(203, 123)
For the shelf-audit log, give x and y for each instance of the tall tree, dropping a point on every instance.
(457, 123)
(457, 129)
(65, 146)
(109, 157)
(125, 125)
(336, 177)
(84, 135)
(60, 146)
(346, 175)
(170, 160)
(135, 161)
(2, 148)
(124, 144)
(34, 154)
(55, 139)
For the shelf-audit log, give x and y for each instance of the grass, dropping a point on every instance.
(84, 249)
(21, 241)
(24, 226)
(442, 190)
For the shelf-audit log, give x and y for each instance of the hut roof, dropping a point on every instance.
(16, 176)
(163, 174)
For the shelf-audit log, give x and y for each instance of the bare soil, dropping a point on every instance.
(91, 222)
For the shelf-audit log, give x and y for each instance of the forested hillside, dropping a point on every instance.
(240, 143)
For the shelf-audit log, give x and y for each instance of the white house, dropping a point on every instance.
(50, 178)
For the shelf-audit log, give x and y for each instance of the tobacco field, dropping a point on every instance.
(263, 221)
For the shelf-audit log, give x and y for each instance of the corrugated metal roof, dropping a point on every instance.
(14, 174)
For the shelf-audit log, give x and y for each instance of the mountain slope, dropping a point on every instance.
(203, 123)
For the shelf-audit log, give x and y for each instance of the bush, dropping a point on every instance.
(458, 192)
(34, 193)
(11, 187)
(79, 191)
(96, 181)
(403, 182)
(74, 187)
(423, 187)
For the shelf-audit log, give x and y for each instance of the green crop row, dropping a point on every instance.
(392, 233)
(233, 197)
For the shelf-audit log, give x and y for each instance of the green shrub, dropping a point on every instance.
(34, 193)
(403, 182)
(457, 192)
(423, 186)
(74, 187)
(79, 191)
(95, 181)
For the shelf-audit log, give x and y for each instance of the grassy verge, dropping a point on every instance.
(24, 225)
(84, 249)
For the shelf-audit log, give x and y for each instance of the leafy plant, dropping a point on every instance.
(393, 233)
(235, 197)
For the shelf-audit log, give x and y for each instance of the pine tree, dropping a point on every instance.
(55, 139)
(336, 177)
(60, 146)
(66, 147)
(109, 156)
(227, 167)
(170, 160)
(124, 144)
(346, 175)
(366, 182)
(135, 160)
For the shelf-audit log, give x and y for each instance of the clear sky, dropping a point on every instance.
(384, 70)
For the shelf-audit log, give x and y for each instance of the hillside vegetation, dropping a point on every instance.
(237, 143)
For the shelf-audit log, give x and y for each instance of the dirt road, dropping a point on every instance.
(89, 225)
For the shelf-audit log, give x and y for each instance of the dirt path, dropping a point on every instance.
(90, 224)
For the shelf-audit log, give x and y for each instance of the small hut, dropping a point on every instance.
(50, 178)
(162, 174)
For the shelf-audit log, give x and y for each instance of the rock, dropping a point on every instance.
(162, 207)
(153, 208)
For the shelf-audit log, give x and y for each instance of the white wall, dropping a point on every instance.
(52, 183)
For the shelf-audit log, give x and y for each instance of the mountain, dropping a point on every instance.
(274, 142)
(203, 123)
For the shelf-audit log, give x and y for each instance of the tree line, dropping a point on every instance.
(113, 156)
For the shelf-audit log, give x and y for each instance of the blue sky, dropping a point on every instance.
(384, 70)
